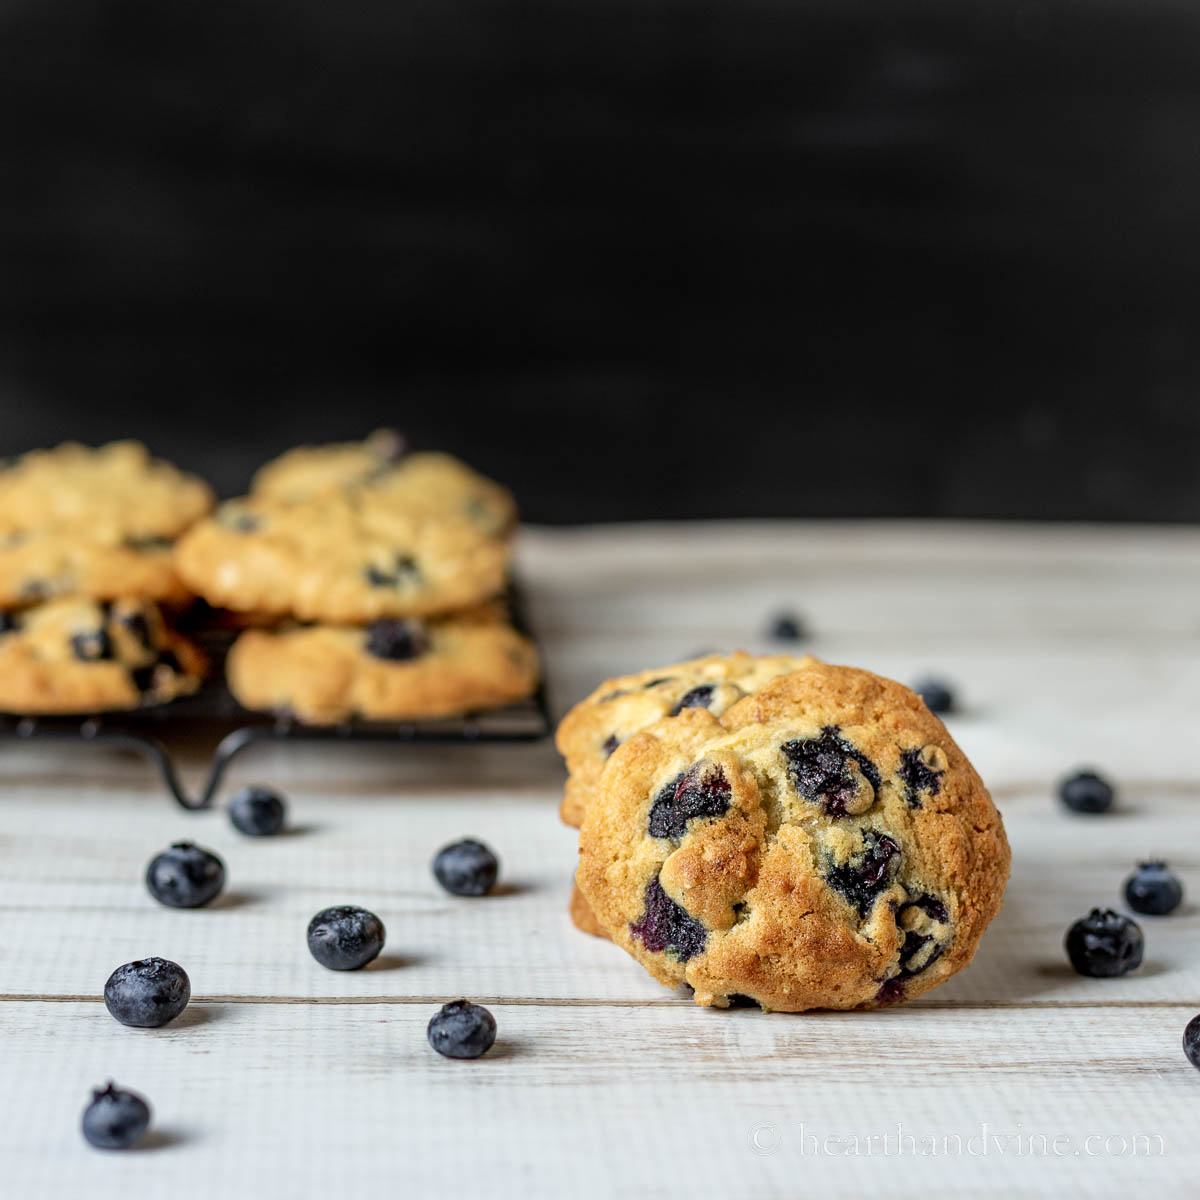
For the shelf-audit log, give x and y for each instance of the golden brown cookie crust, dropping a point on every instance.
(40, 565)
(342, 558)
(873, 887)
(78, 655)
(112, 493)
(622, 706)
(423, 484)
(325, 674)
(582, 916)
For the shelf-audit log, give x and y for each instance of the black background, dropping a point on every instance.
(636, 259)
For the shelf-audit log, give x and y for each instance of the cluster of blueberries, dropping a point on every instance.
(152, 992)
(1106, 943)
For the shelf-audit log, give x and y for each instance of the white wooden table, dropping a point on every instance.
(286, 1080)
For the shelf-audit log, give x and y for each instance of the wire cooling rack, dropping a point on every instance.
(213, 710)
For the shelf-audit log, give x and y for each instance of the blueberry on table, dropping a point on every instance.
(147, 994)
(1191, 1041)
(937, 694)
(1153, 889)
(185, 876)
(462, 1030)
(1086, 792)
(257, 811)
(466, 868)
(1104, 944)
(787, 627)
(115, 1119)
(345, 938)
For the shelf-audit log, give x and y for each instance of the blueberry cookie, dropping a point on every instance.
(38, 565)
(344, 557)
(424, 484)
(79, 656)
(391, 669)
(620, 707)
(824, 844)
(117, 494)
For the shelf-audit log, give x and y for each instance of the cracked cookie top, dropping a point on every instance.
(823, 844)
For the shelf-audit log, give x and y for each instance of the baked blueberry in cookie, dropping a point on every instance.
(665, 926)
(396, 641)
(697, 697)
(700, 791)
(774, 852)
(830, 771)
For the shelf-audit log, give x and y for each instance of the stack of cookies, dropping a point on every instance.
(780, 831)
(367, 582)
(371, 582)
(87, 579)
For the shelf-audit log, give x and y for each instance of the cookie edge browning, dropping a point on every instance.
(976, 872)
(266, 672)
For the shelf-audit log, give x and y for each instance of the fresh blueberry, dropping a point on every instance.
(700, 791)
(257, 811)
(787, 627)
(937, 694)
(345, 938)
(666, 927)
(185, 876)
(462, 1030)
(1191, 1041)
(697, 697)
(1153, 890)
(1086, 792)
(466, 868)
(148, 993)
(1104, 944)
(115, 1119)
(396, 641)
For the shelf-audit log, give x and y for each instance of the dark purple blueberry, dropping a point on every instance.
(1191, 1041)
(396, 641)
(185, 876)
(610, 744)
(918, 777)
(1086, 792)
(787, 627)
(916, 952)
(115, 1119)
(257, 811)
(651, 684)
(697, 697)
(1153, 890)
(700, 791)
(937, 694)
(890, 992)
(92, 646)
(665, 926)
(1104, 944)
(147, 994)
(462, 1030)
(867, 873)
(8, 622)
(345, 938)
(818, 768)
(402, 572)
(138, 627)
(466, 868)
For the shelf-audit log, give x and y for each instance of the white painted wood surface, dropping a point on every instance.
(285, 1080)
